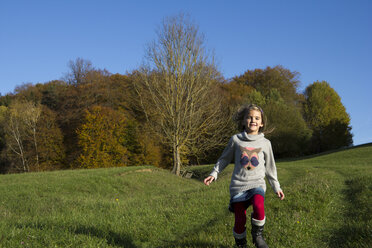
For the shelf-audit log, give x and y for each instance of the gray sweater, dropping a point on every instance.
(253, 158)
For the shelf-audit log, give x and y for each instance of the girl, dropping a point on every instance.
(253, 160)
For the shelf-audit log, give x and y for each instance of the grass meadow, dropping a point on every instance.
(328, 204)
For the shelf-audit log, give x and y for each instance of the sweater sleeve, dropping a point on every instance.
(271, 173)
(225, 159)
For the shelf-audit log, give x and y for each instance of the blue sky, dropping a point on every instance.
(327, 40)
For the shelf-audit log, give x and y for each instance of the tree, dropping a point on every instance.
(3, 111)
(290, 136)
(51, 152)
(79, 70)
(31, 119)
(70, 101)
(33, 141)
(234, 94)
(20, 132)
(53, 94)
(176, 87)
(283, 80)
(102, 138)
(3, 160)
(28, 92)
(327, 117)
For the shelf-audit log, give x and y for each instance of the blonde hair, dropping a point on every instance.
(243, 111)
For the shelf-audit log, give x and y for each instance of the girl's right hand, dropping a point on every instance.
(208, 180)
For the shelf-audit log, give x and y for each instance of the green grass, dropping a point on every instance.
(328, 204)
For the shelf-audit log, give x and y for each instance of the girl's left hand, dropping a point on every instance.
(280, 194)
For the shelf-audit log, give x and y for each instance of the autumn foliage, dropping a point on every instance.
(98, 124)
(174, 112)
(102, 139)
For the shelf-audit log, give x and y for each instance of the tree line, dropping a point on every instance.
(175, 110)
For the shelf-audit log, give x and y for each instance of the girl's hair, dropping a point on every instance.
(243, 111)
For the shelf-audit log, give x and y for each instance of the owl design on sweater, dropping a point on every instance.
(249, 158)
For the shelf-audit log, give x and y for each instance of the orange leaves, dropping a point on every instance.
(100, 138)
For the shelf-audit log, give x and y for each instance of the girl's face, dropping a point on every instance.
(253, 122)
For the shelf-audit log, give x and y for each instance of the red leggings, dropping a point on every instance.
(240, 210)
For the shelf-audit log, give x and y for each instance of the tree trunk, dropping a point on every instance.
(176, 160)
(17, 137)
(36, 150)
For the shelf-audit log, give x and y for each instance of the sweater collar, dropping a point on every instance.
(249, 137)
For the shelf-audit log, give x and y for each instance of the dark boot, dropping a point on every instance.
(257, 236)
(241, 243)
(240, 239)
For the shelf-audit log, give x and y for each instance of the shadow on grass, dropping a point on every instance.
(355, 230)
(184, 238)
(112, 238)
(196, 244)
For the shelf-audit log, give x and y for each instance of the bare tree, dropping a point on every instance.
(176, 87)
(20, 130)
(79, 70)
(31, 117)
(14, 135)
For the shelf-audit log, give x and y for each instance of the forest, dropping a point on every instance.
(174, 111)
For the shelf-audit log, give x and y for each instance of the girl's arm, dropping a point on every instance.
(271, 173)
(224, 160)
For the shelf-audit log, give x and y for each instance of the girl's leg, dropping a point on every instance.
(258, 221)
(258, 207)
(239, 232)
(240, 211)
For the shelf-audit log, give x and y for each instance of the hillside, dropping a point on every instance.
(328, 204)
